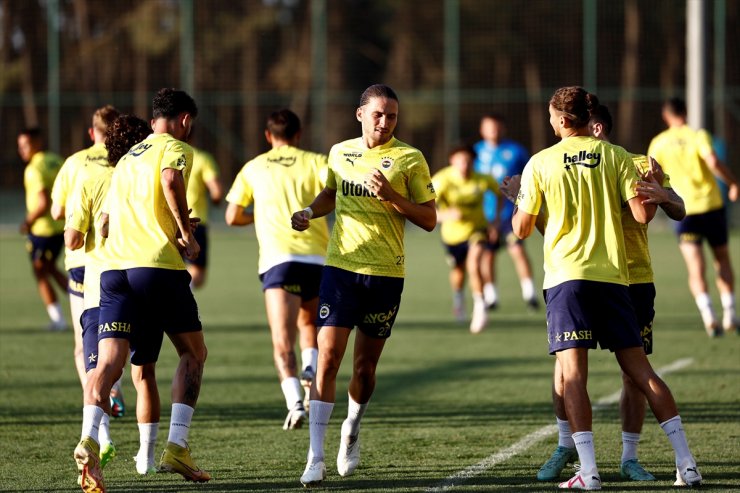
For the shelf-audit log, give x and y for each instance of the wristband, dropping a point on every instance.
(309, 212)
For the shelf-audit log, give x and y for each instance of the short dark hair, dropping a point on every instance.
(497, 117)
(675, 106)
(125, 132)
(377, 91)
(601, 114)
(31, 132)
(461, 148)
(283, 124)
(168, 103)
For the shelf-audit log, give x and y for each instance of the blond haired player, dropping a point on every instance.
(84, 164)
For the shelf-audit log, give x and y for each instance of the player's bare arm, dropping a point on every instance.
(236, 215)
(523, 224)
(725, 174)
(73, 239)
(423, 215)
(215, 191)
(642, 212)
(323, 204)
(57, 211)
(173, 186)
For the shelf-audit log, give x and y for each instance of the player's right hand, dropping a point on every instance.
(299, 220)
(189, 247)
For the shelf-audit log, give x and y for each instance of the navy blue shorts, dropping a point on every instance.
(348, 299)
(296, 278)
(142, 304)
(201, 236)
(76, 282)
(582, 313)
(457, 254)
(643, 301)
(711, 225)
(44, 247)
(89, 321)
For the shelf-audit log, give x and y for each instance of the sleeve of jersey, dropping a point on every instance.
(704, 143)
(79, 217)
(61, 184)
(627, 176)
(529, 199)
(33, 180)
(241, 191)
(420, 185)
(175, 156)
(210, 170)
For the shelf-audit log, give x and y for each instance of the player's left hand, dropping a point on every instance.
(651, 191)
(655, 170)
(377, 183)
(510, 187)
(189, 247)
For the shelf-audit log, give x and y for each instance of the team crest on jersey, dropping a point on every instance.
(386, 162)
(324, 311)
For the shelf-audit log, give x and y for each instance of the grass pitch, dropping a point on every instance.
(445, 400)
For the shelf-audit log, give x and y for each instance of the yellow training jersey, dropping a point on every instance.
(679, 151)
(142, 229)
(367, 237)
(204, 170)
(278, 183)
(39, 176)
(465, 195)
(85, 217)
(636, 234)
(76, 169)
(584, 182)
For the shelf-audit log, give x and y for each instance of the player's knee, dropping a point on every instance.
(364, 372)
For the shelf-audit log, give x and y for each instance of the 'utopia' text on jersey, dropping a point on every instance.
(352, 189)
(579, 159)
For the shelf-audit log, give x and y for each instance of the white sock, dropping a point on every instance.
(355, 411)
(91, 416)
(586, 455)
(704, 303)
(292, 391)
(489, 293)
(630, 441)
(527, 288)
(728, 305)
(55, 313)
(104, 432)
(310, 357)
(182, 416)
(673, 429)
(565, 437)
(147, 443)
(318, 420)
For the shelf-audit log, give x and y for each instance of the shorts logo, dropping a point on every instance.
(575, 335)
(374, 318)
(386, 163)
(114, 327)
(292, 288)
(324, 311)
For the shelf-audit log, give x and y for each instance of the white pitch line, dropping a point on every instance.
(536, 436)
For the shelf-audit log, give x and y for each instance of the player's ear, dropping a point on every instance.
(268, 137)
(91, 133)
(186, 119)
(359, 114)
